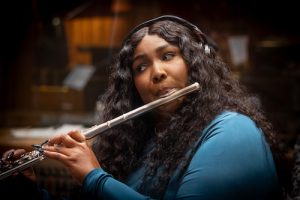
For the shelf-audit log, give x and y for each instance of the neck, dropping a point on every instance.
(161, 123)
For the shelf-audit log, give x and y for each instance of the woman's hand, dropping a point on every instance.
(73, 151)
(20, 185)
(12, 155)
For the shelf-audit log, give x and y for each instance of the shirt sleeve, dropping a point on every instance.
(100, 185)
(233, 161)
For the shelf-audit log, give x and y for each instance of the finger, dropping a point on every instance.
(61, 139)
(68, 141)
(7, 154)
(56, 149)
(77, 136)
(56, 155)
(12, 154)
(56, 139)
(19, 152)
(65, 139)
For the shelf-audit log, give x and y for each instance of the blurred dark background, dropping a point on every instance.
(44, 41)
(48, 45)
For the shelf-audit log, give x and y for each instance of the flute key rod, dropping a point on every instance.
(95, 130)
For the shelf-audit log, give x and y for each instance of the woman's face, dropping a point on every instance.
(159, 70)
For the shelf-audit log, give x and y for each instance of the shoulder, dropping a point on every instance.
(229, 119)
(231, 124)
(233, 156)
(232, 137)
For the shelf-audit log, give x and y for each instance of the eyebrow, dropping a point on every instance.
(158, 49)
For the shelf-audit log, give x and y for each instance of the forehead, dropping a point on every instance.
(150, 43)
(152, 40)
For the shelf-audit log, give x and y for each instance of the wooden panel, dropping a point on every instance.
(104, 32)
(56, 98)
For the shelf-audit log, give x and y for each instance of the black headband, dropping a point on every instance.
(204, 39)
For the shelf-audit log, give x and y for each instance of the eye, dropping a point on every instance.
(139, 68)
(168, 56)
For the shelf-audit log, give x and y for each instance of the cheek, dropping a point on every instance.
(185, 72)
(141, 87)
(181, 72)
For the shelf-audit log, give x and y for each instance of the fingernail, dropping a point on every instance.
(10, 155)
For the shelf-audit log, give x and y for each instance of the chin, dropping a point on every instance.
(169, 108)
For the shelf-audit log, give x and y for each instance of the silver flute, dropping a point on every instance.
(8, 167)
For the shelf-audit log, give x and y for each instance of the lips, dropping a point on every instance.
(166, 92)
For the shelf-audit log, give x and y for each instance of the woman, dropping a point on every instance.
(211, 144)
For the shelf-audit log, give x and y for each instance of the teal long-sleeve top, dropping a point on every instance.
(232, 161)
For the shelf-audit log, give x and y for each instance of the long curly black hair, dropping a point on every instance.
(120, 149)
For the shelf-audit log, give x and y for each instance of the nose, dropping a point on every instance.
(158, 73)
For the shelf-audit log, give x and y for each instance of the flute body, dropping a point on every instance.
(31, 158)
(93, 131)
